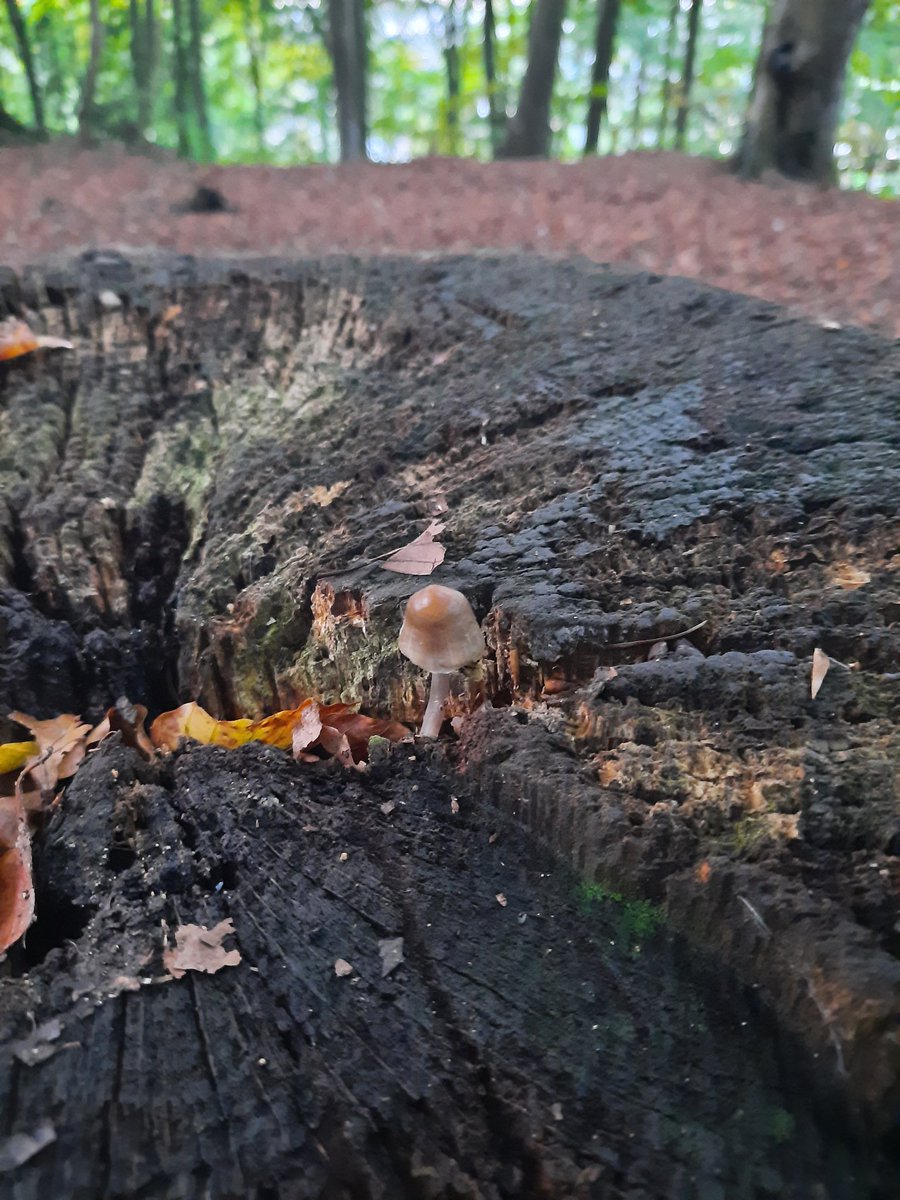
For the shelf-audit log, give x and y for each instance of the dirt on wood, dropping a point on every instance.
(660, 499)
(830, 254)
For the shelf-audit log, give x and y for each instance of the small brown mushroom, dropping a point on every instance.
(441, 635)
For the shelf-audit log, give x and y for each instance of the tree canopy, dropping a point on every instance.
(253, 80)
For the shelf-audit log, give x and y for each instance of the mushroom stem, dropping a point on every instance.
(434, 710)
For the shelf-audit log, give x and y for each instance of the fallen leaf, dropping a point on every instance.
(61, 747)
(16, 339)
(420, 556)
(338, 729)
(14, 755)
(820, 664)
(845, 575)
(200, 949)
(128, 719)
(391, 951)
(307, 729)
(342, 968)
(323, 496)
(18, 1148)
(703, 872)
(16, 887)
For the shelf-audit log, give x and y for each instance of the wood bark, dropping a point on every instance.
(23, 45)
(799, 84)
(687, 74)
(604, 49)
(173, 532)
(528, 133)
(452, 67)
(89, 84)
(347, 46)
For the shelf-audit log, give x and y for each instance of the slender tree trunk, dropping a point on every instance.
(255, 50)
(24, 45)
(14, 129)
(451, 62)
(180, 74)
(604, 48)
(196, 71)
(347, 45)
(528, 131)
(799, 86)
(666, 95)
(638, 97)
(687, 75)
(496, 114)
(143, 58)
(89, 86)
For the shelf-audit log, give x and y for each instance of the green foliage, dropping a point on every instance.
(268, 80)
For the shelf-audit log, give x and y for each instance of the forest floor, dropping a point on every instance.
(830, 255)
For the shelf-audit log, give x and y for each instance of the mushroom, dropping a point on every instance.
(440, 634)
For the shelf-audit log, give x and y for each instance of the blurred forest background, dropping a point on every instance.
(303, 81)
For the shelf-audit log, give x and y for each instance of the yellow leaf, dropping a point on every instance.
(192, 721)
(14, 755)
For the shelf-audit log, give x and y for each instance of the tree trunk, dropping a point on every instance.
(687, 75)
(451, 63)
(347, 45)
(181, 74)
(528, 130)
(604, 49)
(254, 35)
(637, 108)
(143, 58)
(496, 113)
(198, 88)
(665, 98)
(89, 85)
(799, 86)
(502, 1026)
(24, 46)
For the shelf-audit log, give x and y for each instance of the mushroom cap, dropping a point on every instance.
(440, 632)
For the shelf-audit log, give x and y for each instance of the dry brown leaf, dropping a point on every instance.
(307, 730)
(845, 575)
(127, 719)
(420, 556)
(61, 747)
(323, 496)
(342, 968)
(16, 888)
(16, 339)
(200, 949)
(820, 664)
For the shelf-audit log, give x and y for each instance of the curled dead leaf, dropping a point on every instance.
(16, 339)
(820, 665)
(16, 888)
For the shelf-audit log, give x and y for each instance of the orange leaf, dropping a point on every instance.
(16, 888)
(17, 339)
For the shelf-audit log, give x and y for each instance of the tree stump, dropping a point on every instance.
(647, 902)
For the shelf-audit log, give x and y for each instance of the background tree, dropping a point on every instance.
(687, 75)
(799, 85)
(347, 44)
(528, 130)
(86, 104)
(604, 49)
(24, 47)
(144, 51)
